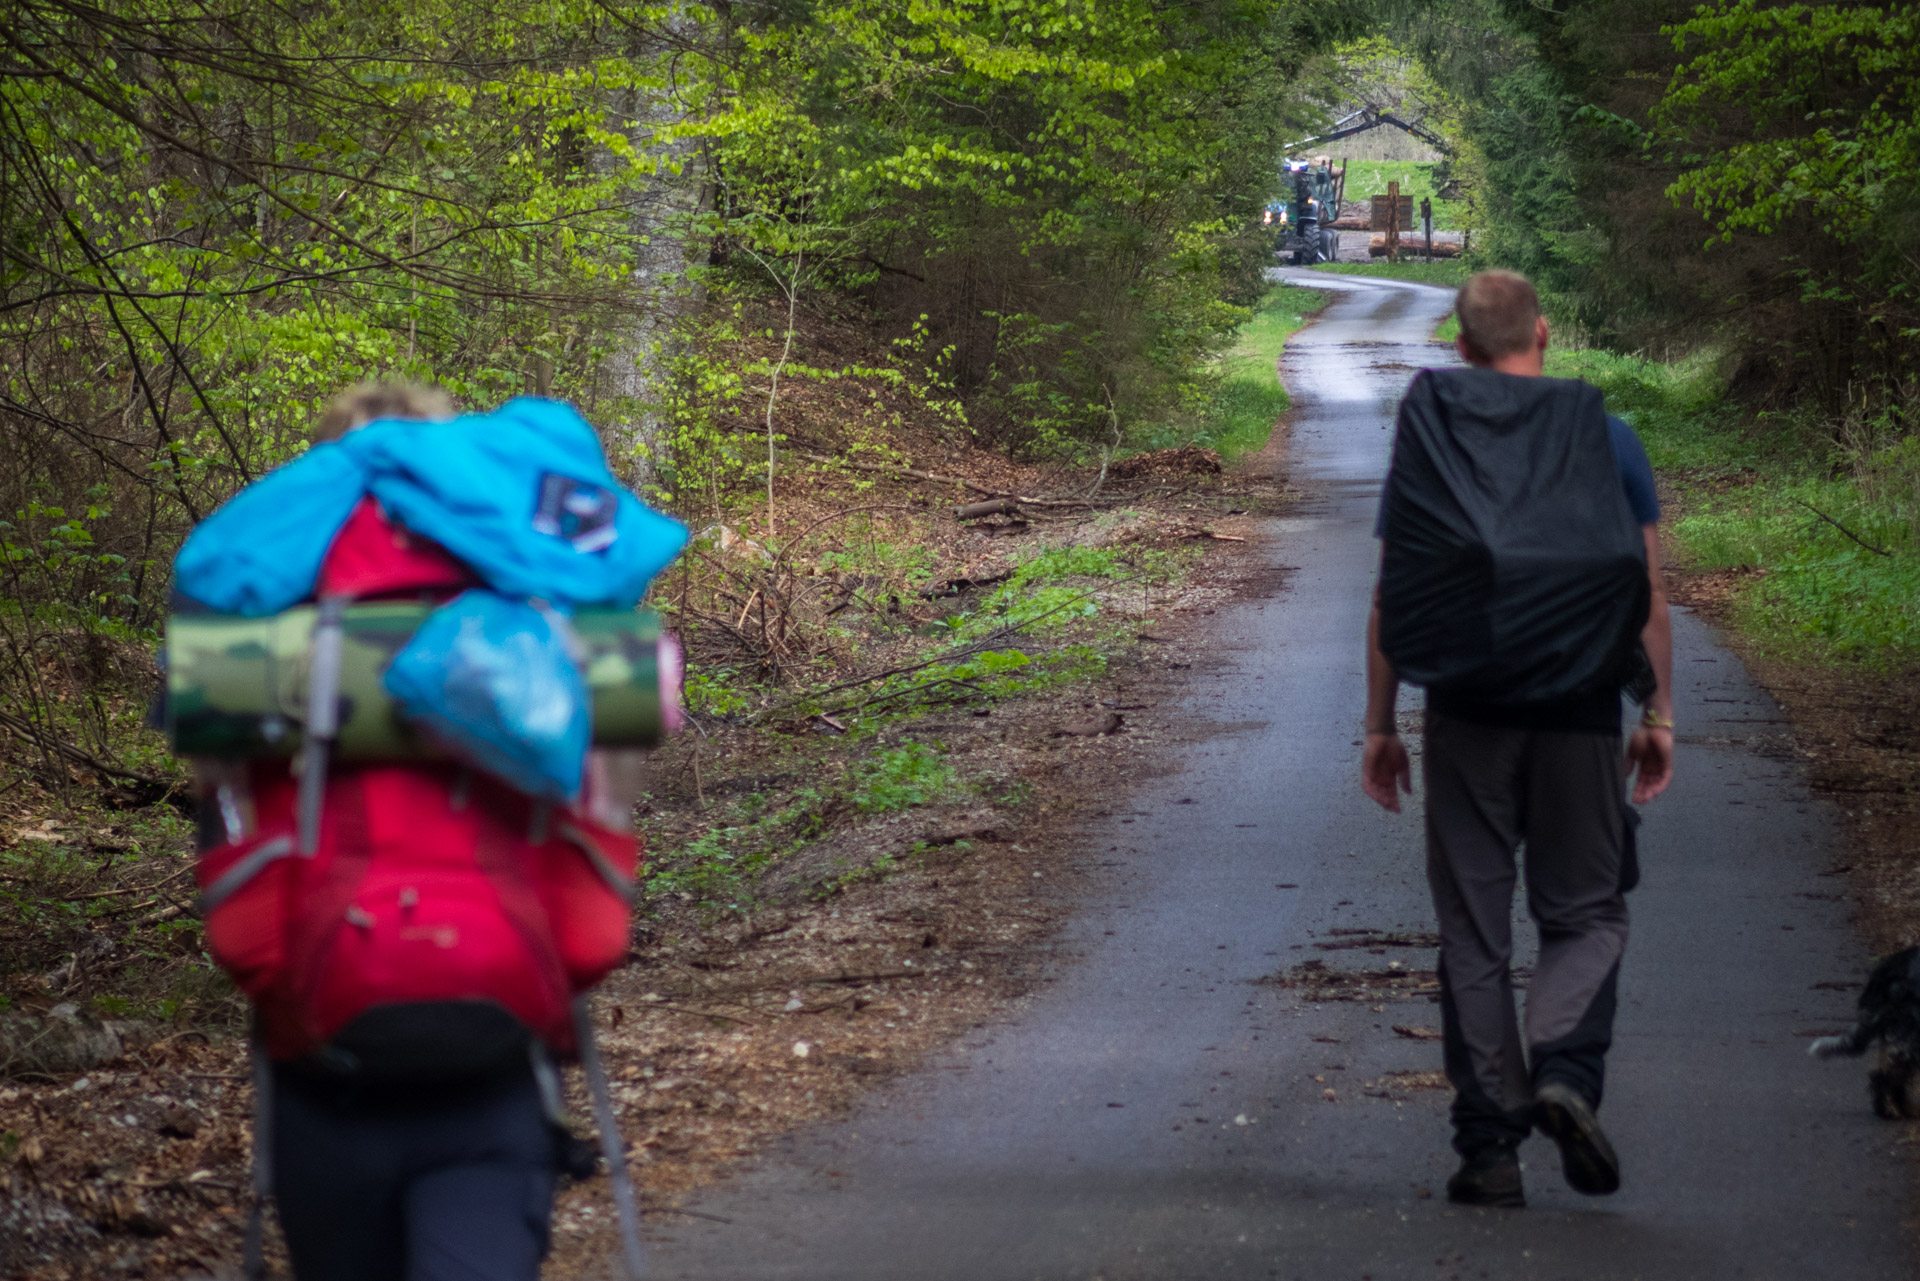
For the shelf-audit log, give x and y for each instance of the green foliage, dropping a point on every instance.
(1740, 174)
(1247, 398)
(1069, 196)
(1756, 501)
(714, 691)
(718, 868)
(901, 777)
(1056, 563)
(1830, 100)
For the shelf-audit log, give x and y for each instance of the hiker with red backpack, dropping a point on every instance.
(409, 669)
(1520, 584)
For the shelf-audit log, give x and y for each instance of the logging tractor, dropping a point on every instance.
(1303, 222)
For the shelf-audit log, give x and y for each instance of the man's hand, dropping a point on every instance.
(1649, 759)
(1385, 771)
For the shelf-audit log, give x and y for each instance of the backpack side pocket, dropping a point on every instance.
(587, 882)
(244, 888)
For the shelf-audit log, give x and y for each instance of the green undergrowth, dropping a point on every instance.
(1041, 628)
(719, 868)
(99, 899)
(1825, 516)
(1249, 399)
(1049, 625)
(1445, 271)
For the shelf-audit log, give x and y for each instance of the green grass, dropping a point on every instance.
(1369, 178)
(1446, 271)
(1249, 399)
(903, 777)
(1753, 493)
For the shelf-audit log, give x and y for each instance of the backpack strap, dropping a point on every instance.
(235, 878)
(323, 717)
(612, 1146)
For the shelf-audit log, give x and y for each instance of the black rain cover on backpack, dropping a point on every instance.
(1513, 569)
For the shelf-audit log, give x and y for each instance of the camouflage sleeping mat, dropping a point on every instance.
(237, 687)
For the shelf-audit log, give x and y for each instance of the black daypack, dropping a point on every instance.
(1513, 569)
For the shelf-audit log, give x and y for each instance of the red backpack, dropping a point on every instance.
(443, 919)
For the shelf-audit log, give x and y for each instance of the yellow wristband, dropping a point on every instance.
(1652, 720)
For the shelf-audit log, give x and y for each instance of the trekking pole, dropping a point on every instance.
(253, 1252)
(323, 718)
(611, 1145)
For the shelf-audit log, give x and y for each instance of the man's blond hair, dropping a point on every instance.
(1499, 313)
(368, 402)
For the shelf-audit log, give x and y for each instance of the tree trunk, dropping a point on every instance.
(664, 298)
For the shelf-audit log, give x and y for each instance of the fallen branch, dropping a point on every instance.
(742, 1017)
(1877, 551)
(969, 686)
(874, 976)
(131, 889)
(954, 586)
(991, 507)
(680, 1209)
(913, 473)
(950, 656)
(32, 733)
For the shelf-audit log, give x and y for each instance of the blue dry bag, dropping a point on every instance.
(494, 681)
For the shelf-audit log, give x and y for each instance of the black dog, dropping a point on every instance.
(1889, 1014)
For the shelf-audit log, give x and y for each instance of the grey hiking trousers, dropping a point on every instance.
(1489, 791)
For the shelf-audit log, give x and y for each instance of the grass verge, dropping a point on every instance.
(1448, 271)
(1250, 399)
(1817, 523)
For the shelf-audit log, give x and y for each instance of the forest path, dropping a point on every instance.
(1159, 1113)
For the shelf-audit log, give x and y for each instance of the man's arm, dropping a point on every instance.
(1385, 771)
(1650, 748)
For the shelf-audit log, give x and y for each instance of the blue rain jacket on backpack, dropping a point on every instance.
(523, 496)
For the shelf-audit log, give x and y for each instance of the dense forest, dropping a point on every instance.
(216, 215)
(1738, 174)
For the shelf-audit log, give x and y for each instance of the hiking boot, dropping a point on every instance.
(1586, 1157)
(1489, 1178)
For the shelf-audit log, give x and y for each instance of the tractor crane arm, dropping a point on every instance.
(1372, 119)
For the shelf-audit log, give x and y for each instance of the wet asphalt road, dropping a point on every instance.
(1156, 1115)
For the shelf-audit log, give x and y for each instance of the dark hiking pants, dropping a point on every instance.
(1489, 791)
(455, 1188)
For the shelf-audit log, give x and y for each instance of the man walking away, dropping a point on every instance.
(1520, 583)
